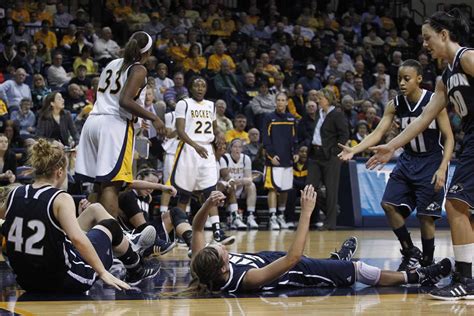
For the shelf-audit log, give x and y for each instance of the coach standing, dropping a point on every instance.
(324, 165)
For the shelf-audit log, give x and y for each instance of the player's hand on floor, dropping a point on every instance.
(383, 154)
(346, 154)
(113, 281)
(201, 151)
(308, 199)
(439, 179)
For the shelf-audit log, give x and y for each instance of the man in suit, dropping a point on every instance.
(330, 129)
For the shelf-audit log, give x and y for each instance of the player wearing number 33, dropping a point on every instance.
(418, 179)
(105, 152)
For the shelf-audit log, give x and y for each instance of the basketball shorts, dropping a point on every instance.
(279, 179)
(462, 184)
(191, 172)
(167, 166)
(410, 186)
(105, 151)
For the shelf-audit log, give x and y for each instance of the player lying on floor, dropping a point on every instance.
(45, 243)
(215, 269)
(135, 205)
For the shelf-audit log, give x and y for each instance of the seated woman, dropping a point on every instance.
(215, 269)
(135, 217)
(45, 243)
(7, 162)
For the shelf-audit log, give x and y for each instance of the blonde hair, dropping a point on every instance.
(46, 157)
(328, 94)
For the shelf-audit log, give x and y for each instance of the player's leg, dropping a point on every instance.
(165, 201)
(272, 206)
(235, 220)
(178, 220)
(427, 229)
(108, 197)
(218, 232)
(282, 199)
(251, 200)
(331, 172)
(285, 183)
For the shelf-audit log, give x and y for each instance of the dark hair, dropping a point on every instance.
(452, 21)
(413, 64)
(132, 49)
(191, 49)
(206, 265)
(193, 79)
(240, 116)
(46, 112)
(147, 171)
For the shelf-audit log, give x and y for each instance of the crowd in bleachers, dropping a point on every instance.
(248, 53)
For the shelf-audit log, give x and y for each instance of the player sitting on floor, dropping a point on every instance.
(45, 243)
(135, 216)
(215, 269)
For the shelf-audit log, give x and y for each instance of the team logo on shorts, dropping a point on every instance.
(456, 188)
(433, 207)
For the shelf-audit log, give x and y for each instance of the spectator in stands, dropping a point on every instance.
(86, 61)
(223, 122)
(362, 130)
(68, 39)
(260, 32)
(347, 104)
(324, 165)
(20, 13)
(216, 31)
(300, 51)
(40, 90)
(57, 75)
(347, 85)
(215, 60)
(296, 103)
(261, 104)
(62, 19)
(393, 69)
(79, 43)
(8, 162)
(81, 118)
(33, 63)
(178, 49)
(332, 69)
(371, 118)
(25, 118)
(81, 18)
(240, 123)
(136, 19)
(394, 40)
(14, 90)
(56, 123)
(429, 72)
(228, 87)
(380, 70)
(34, 25)
(175, 93)
(44, 53)
(360, 94)
(43, 12)
(254, 146)
(75, 98)
(367, 77)
(46, 36)
(20, 35)
(308, 122)
(300, 173)
(10, 57)
(194, 63)
(89, 34)
(162, 82)
(105, 48)
(81, 79)
(249, 62)
(154, 26)
(269, 69)
(309, 80)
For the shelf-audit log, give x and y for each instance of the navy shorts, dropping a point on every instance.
(410, 187)
(462, 184)
(80, 277)
(161, 230)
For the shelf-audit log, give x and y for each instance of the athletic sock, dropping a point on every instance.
(428, 249)
(233, 210)
(140, 228)
(272, 211)
(163, 208)
(130, 259)
(463, 257)
(404, 237)
(281, 210)
(251, 210)
(214, 219)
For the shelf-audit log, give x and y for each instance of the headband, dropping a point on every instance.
(148, 45)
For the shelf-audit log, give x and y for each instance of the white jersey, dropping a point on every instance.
(236, 168)
(170, 144)
(199, 118)
(110, 86)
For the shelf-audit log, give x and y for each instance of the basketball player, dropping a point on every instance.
(236, 171)
(195, 163)
(216, 269)
(46, 245)
(135, 205)
(105, 152)
(419, 177)
(279, 141)
(443, 34)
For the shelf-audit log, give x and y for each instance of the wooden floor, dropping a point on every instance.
(375, 247)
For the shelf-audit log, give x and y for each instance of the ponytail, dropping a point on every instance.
(140, 43)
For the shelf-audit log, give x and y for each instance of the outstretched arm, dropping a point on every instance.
(145, 185)
(198, 242)
(256, 278)
(384, 153)
(373, 138)
(439, 178)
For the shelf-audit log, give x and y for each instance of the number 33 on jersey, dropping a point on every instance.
(199, 117)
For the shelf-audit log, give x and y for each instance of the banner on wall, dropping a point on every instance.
(372, 185)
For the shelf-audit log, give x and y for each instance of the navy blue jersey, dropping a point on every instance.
(460, 90)
(308, 272)
(428, 141)
(36, 246)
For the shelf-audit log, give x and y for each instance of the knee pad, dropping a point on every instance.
(115, 230)
(367, 274)
(178, 216)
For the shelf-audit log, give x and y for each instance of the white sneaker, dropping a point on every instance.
(282, 222)
(251, 223)
(238, 223)
(290, 225)
(273, 223)
(141, 241)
